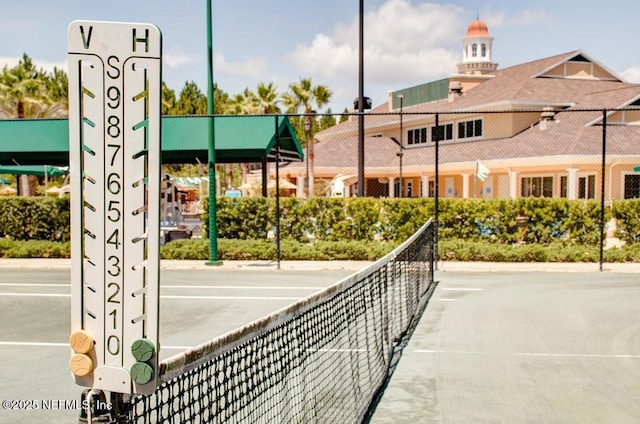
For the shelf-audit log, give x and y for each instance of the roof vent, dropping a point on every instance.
(547, 118)
(455, 90)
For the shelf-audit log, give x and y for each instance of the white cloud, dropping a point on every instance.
(532, 17)
(253, 67)
(40, 64)
(631, 74)
(176, 57)
(404, 43)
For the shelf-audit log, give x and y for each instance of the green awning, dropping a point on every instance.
(636, 168)
(37, 170)
(239, 139)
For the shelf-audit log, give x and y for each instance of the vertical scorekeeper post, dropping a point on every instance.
(115, 156)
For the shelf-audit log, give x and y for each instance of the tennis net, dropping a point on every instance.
(320, 360)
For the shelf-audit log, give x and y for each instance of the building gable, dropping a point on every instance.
(579, 66)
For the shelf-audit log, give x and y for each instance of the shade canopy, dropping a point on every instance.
(37, 170)
(238, 139)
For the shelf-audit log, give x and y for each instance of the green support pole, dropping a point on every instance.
(213, 229)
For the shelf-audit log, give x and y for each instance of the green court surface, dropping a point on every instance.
(493, 347)
(522, 348)
(196, 306)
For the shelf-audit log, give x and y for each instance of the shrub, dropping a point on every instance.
(35, 218)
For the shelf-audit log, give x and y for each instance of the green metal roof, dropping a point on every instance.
(238, 138)
(38, 170)
(423, 93)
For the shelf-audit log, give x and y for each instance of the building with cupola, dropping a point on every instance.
(532, 129)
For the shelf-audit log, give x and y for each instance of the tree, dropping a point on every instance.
(24, 92)
(267, 98)
(168, 100)
(191, 101)
(344, 117)
(304, 95)
(327, 120)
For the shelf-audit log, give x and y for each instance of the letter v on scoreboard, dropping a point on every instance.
(114, 155)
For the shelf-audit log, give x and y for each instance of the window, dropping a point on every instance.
(631, 186)
(474, 50)
(444, 132)
(563, 185)
(483, 50)
(537, 187)
(417, 136)
(470, 129)
(587, 187)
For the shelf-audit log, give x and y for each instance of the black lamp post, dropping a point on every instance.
(400, 152)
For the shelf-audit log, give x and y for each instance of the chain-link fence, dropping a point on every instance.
(554, 153)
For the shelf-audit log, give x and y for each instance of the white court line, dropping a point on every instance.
(45, 344)
(229, 298)
(531, 354)
(162, 297)
(242, 287)
(33, 285)
(474, 289)
(36, 294)
(163, 347)
(444, 299)
(177, 286)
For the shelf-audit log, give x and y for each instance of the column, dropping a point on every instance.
(392, 189)
(300, 187)
(465, 185)
(572, 184)
(513, 184)
(425, 186)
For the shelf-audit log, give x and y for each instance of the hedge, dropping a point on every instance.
(365, 219)
(34, 218)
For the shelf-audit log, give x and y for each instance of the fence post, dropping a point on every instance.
(436, 192)
(602, 182)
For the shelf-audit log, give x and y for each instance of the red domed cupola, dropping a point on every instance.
(476, 50)
(477, 28)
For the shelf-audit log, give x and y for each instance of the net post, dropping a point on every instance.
(96, 406)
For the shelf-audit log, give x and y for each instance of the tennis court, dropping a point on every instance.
(196, 305)
(522, 347)
(490, 347)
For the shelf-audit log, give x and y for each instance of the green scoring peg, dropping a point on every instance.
(141, 373)
(142, 350)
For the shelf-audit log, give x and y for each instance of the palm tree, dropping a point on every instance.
(267, 98)
(304, 95)
(26, 92)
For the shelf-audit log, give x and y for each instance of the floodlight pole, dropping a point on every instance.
(213, 229)
(361, 102)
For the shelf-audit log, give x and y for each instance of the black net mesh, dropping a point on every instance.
(321, 360)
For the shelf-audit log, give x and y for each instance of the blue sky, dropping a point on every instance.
(407, 42)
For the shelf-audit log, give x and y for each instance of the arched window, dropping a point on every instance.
(483, 50)
(474, 50)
